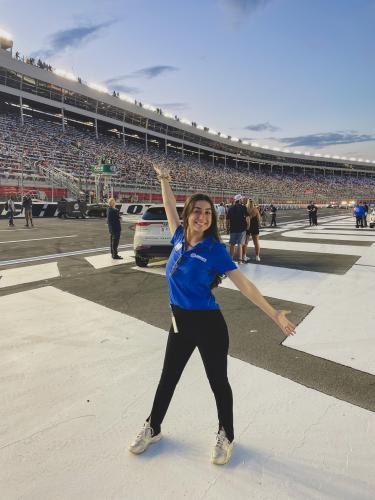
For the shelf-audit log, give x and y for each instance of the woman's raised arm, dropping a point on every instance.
(169, 200)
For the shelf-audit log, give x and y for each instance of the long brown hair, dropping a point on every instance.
(189, 207)
(250, 204)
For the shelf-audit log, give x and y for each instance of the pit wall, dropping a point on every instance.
(50, 209)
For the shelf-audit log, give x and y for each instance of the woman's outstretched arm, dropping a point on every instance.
(169, 200)
(252, 293)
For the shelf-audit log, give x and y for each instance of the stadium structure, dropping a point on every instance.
(32, 95)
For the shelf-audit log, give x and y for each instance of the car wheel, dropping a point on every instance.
(141, 261)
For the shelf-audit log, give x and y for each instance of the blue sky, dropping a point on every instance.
(296, 74)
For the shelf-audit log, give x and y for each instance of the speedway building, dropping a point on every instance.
(40, 92)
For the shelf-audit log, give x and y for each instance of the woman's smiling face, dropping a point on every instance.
(200, 218)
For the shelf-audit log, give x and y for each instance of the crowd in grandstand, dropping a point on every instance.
(75, 150)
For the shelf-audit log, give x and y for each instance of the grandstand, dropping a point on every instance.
(58, 123)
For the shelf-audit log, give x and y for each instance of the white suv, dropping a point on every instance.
(152, 236)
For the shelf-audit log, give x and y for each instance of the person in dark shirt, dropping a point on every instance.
(365, 206)
(114, 227)
(27, 206)
(313, 214)
(309, 210)
(273, 211)
(239, 220)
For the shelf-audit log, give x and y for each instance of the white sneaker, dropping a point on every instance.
(143, 439)
(257, 258)
(222, 451)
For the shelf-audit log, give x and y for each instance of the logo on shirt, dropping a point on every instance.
(199, 257)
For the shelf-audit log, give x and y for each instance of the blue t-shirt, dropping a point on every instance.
(359, 211)
(190, 273)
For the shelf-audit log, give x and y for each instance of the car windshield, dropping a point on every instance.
(158, 213)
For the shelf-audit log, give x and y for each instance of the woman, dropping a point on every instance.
(197, 258)
(263, 214)
(252, 231)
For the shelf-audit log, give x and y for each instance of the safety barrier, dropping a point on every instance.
(50, 209)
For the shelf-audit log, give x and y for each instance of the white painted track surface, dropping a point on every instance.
(74, 395)
(28, 274)
(341, 327)
(331, 235)
(312, 247)
(105, 260)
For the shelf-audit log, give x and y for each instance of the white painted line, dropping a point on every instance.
(345, 231)
(57, 255)
(105, 260)
(307, 247)
(335, 237)
(339, 223)
(28, 274)
(84, 386)
(13, 230)
(310, 247)
(336, 227)
(39, 239)
(151, 270)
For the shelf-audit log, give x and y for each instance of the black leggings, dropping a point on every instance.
(208, 331)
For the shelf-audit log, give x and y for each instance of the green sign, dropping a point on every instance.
(102, 169)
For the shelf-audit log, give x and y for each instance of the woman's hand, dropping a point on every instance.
(284, 324)
(252, 293)
(162, 171)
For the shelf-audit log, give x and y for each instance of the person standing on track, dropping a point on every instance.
(359, 212)
(313, 213)
(273, 211)
(10, 207)
(114, 226)
(27, 206)
(365, 206)
(252, 231)
(310, 212)
(221, 212)
(197, 258)
(263, 215)
(238, 223)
